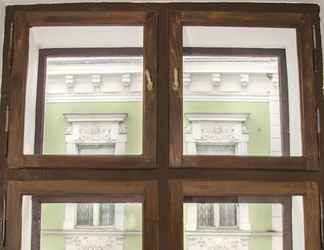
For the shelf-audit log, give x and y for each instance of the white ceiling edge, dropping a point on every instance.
(27, 2)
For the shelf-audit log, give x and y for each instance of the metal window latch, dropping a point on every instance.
(176, 83)
(150, 84)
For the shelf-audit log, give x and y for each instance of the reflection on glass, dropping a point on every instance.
(93, 106)
(83, 226)
(88, 82)
(240, 91)
(233, 226)
(235, 111)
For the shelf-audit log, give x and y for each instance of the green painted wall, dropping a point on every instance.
(258, 122)
(55, 124)
(261, 220)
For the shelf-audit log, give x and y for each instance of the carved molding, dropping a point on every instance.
(216, 243)
(94, 242)
(219, 129)
(96, 129)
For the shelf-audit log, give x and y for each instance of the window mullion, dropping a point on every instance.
(96, 214)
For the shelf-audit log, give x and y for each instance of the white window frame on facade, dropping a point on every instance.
(241, 233)
(242, 217)
(217, 219)
(70, 218)
(216, 129)
(96, 129)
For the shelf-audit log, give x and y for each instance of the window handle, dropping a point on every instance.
(150, 83)
(176, 83)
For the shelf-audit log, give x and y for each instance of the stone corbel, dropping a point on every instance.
(126, 80)
(69, 82)
(96, 81)
(245, 78)
(186, 79)
(216, 79)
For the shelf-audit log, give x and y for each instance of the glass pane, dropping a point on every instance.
(107, 214)
(205, 215)
(240, 92)
(114, 226)
(227, 215)
(84, 214)
(88, 82)
(243, 225)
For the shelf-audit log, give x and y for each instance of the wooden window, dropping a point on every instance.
(96, 90)
(232, 85)
(197, 170)
(255, 202)
(45, 209)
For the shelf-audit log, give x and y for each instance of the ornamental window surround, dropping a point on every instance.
(96, 133)
(217, 133)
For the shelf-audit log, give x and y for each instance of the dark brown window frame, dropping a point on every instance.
(44, 54)
(303, 23)
(250, 192)
(26, 19)
(280, 54)
(145, 192)
(36, 172)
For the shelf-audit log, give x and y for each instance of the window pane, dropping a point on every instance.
(205, 215)
(89, 91)
(227, 215)
(84, 214)
(107, 214)
(240, 91)
(247, 224)
(115, 226)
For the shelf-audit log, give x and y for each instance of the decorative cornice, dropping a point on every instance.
(95, 117)
(228, 117)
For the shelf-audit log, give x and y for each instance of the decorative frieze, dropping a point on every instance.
(94, 242)
(199, 242)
